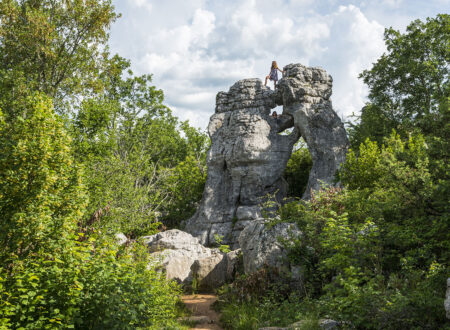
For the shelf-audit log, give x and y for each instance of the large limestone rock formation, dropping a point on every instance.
(246, 161)
(248, 155)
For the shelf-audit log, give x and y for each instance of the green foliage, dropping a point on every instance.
(297, 171)
(222, 247)
(115, 135)
(376, 252)
(257, 314)
(53, 47)
(140, 169)
(41, 194)
(88, 286)
(143, 172)
(263, 299)
(409, 84)
(50, 277)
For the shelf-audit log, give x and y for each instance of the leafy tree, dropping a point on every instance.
(112, 125)
(409, 84)
(52, 46)
(41, 194)
(50, 276)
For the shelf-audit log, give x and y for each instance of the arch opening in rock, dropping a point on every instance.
(297, 170)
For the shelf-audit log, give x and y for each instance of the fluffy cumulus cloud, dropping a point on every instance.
(196, 48)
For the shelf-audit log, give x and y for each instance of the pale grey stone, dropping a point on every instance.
(248, 156)
(182, 258)
(214, 271)
(306, 96)
(246, 212)
(262, 246)
(121, 239)
(210, 272)
(175, 251)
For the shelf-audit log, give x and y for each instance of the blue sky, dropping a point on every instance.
(196, 48)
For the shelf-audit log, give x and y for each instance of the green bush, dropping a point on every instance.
(50, 277)
(376, 252)
(88, 286)
(41, 193)
(259, 300)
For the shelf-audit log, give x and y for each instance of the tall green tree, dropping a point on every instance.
(41, 194)
(52, 46)
(409, 84)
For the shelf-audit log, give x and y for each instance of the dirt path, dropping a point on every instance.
(200, 306)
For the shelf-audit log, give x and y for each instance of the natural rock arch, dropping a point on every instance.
(247, 157)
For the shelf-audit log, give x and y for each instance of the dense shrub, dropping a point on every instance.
(374, 253)
(51, 277)
(41, 193)
(262, 299)
(87, 286)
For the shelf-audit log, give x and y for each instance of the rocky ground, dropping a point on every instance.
(202, 313)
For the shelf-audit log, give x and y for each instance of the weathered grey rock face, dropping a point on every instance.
(176, 251)
(261, 246)
(214, 271)
(246, 162)
(248, 155)
(306, 95)
(183, 258)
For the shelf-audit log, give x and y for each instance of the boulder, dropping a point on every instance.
(183, 258)
(214, 271)
(121, 239)
(261, 245)
(176, 251)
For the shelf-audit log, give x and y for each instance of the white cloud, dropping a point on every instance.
(142, 4)
(196, 48)
(392, 3)
(357, 43)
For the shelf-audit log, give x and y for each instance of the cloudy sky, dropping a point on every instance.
(195, 48)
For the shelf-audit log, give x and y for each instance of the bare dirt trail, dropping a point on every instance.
(200, 306)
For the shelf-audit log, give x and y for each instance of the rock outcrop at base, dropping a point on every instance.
(248, 155)
(183, 258)
(262, 246)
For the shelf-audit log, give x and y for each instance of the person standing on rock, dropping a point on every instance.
(273, 75)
